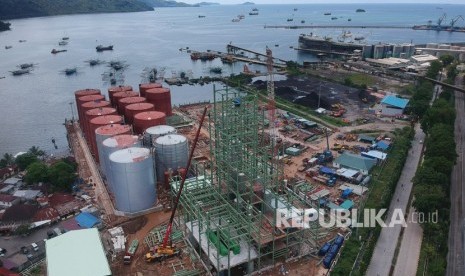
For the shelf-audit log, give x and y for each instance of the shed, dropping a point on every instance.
(356, 162)
(293, 151)
(375, 154)
(12, 181)
(366, 139)
(347, 173)
(87, 220)
(393, 106)
(382, 145)
(28, 194)
(347, 204)
(88, 256)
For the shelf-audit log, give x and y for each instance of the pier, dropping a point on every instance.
(335, 27)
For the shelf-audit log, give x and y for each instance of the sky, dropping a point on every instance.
(437, 2)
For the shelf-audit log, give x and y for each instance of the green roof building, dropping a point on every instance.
(355, 162)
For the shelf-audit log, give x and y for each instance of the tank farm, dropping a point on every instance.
(226, 222)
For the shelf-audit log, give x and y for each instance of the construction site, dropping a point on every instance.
(227, 198)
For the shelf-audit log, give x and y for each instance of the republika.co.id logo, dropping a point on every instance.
(304, 218)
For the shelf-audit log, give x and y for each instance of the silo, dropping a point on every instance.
(120, 95)
(378, 51)
(146, 86)
(152, 133)
(171, 153)
(133, 179)
(144, 120)
(127, 101)
(115, 89)
(96, 123)
(396, 50)
(367, 51)
(84, 99)
(131, 110)
(113, 144)
(104, 132)
(88, 106)
(161, 99)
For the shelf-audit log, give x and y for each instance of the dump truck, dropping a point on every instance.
(127, 259)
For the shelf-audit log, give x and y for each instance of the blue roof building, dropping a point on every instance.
(393, 106)
(87, 220)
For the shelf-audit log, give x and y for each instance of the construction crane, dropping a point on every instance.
(453, 21)
(164, 251)
(440, 20)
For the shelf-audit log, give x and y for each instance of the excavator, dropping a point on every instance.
(165, 250)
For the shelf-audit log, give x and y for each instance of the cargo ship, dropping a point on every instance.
(317, 44)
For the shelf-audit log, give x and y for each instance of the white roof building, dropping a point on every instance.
(77, 253)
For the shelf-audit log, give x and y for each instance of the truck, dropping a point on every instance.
(159, 254)
(127, 259)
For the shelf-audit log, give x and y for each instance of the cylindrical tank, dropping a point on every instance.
(147, 119)
(91, 114)
(115, 89)
(104, 132)
(113, 144)
(171, 153)
(133, 179)
(88, 106)
(84, 99)
(120, 95)
(82, 93)
(152, 133)
(146, 86)
(98, 122)
(127, 101)
(131, 110)
(161, 99)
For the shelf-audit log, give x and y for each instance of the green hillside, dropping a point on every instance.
(164, 3)
(32, 8)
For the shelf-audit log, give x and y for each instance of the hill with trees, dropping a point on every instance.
(33, 8)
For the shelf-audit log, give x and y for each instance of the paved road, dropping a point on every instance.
(456, 256)
(383, 254)
(409, 253)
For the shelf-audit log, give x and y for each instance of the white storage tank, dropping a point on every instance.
(171, 153)
(113, 144)
(152, 133)
(134, 183)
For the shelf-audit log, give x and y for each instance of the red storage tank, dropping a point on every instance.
(107, 131)
(127, 101)
(98, 122)
(84, 99)
(88, 106)
(133, 109)
(121, 95)
(115, 89)
(161, 99)
(92, 113)
(144, 120)
(146, 86)
(82, 93)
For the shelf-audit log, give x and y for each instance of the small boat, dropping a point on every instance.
(216, 70)
(349, 19)
(276, 45)
(254, 9)
(22, 40)
(295, 9)
(26, 65)
(358, 38)
(70, 71)
(327, 13)
(93, 62)
(333, 18)
(8, 47)
(55, 51)
(290, 19)
(302, 21)
(241, 16)
(253, 13)
(360, 10)
(63, 43)
(101, 48)
(65, 38)
(235, 20)
(20, 72)
(201, 16)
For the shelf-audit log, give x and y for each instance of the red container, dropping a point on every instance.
(127, 101)
(84, 99)
(107, 131)
(146, 86)
(161, 99)
(98, 122)
(115, 89)
(144, 120)
(121, 95)
(92, 113)
(132, 109)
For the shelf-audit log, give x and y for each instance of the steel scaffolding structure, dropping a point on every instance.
(229, 213)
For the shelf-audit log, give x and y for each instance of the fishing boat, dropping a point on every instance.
(360, 10)
(358, 38)
(70, 71)
(241, 16)
(290, 19)
(55, 51)
(349, 19)
(254, 9)
(8, 47)
(235, 20)
(101, 48)
(201, 16)
(303, 21)
(26, 65)
(333, 18)
(327, 13)
(253, 13)
(63, 43)
(65, 38)
(20, 72)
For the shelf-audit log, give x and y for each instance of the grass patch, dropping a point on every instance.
(362, 79)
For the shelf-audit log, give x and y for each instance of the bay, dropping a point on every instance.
(33, 107)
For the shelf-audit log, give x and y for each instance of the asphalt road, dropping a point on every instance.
(382, 259)
(456, 256)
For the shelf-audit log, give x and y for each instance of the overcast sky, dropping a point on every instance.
(438, 2)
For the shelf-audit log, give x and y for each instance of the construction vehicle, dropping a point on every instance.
(165, 250)
(127, 259)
